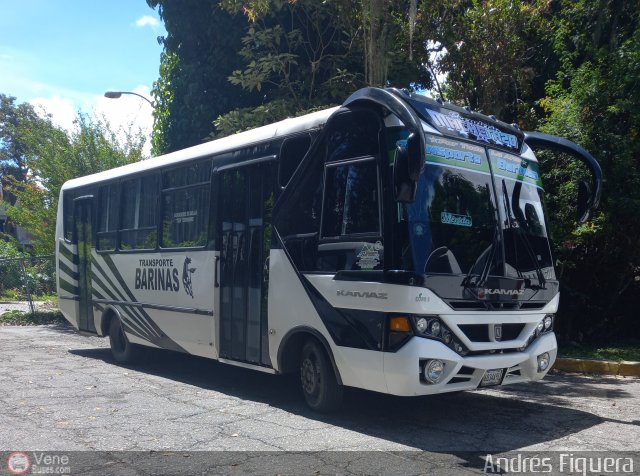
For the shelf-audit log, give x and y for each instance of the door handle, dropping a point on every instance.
(215, 271)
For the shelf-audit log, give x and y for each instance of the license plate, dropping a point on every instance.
(491, 377)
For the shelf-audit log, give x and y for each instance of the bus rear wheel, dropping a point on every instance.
(123, 351)
(320, 387)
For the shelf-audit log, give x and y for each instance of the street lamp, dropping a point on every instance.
(117, 94)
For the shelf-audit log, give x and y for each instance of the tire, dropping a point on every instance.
(320, 387)
(123, 351)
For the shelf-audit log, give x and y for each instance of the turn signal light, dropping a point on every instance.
(399, 324)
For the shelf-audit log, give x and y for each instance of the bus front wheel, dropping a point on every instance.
(320, 387)
(123, 351)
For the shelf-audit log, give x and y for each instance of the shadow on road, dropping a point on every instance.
(522, 415)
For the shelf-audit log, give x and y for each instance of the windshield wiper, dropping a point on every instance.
(513, 223)
(495, 243)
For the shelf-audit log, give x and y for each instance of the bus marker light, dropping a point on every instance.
(399, 324)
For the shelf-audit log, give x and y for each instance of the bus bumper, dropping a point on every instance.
(403, 369)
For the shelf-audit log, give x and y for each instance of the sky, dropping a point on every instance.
(63, 55)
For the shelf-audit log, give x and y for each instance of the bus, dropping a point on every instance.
(395, 243)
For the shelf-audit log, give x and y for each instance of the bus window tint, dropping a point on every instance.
(185, 205)
(108, 217)
(351, 200)
(184, 221)
(138, 218)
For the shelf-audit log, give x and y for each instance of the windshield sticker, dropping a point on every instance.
(514, 167)
(453, 219)
(455, 153)
(453, 121)
(369, 255)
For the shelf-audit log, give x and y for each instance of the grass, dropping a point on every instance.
(628, 350)
(19, 318)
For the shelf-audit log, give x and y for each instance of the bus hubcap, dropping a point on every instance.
(309, 376)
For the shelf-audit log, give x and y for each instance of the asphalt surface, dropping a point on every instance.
(63, 392)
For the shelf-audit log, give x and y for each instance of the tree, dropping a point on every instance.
(299, 55)
(192, 89)
(15, 121)
(595, 101)
(50, 156)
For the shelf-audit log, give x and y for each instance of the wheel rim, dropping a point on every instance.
(310, 376)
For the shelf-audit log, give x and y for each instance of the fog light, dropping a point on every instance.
(547, 322)
(433, 371)
(421, 325)
(543, 362)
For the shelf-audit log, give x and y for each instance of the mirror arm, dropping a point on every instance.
(538, 140)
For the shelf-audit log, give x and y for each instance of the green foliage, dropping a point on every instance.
(595, 101)
(301, 55)
(50, 156)
(38, 318)
(617, 351)
(192, 89)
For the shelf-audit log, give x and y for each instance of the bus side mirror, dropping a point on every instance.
(583, 208)
(407, 166)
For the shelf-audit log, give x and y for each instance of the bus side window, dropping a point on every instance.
(138, 220)
(67, 218)
(185, 206)
(291, 154)
(107, 217)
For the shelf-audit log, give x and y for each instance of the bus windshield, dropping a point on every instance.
(463, 219)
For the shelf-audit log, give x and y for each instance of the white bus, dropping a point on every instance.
(395, 244)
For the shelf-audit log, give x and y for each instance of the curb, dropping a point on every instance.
(600, 367)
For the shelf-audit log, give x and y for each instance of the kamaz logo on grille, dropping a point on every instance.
(497, 331)
(505, 292)
(362, 294)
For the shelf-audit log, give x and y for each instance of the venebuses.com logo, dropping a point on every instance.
(20, 462)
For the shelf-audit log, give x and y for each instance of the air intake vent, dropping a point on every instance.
(469, 305)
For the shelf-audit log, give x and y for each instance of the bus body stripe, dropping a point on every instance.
(67, 253)
(163, 341)
(74, 275)
(68, 287)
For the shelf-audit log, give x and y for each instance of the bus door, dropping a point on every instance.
(83, 220)
(245, 201)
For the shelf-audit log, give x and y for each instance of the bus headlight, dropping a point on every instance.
(433, 371)
(540, 327)
(543, 362)
(421, 325)
(548, 320)
(435, 328)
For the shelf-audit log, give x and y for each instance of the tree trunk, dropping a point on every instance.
(376, 34)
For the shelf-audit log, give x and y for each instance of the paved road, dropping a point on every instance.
(61, 391)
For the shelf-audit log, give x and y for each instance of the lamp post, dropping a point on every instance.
(118, 94)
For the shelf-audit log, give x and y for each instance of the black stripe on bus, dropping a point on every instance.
(63, 268)
(143, 334)
(111, 290)
(163, 341)
(68, 287)
(67, 253)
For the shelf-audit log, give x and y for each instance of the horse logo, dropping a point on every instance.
(186, 276)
